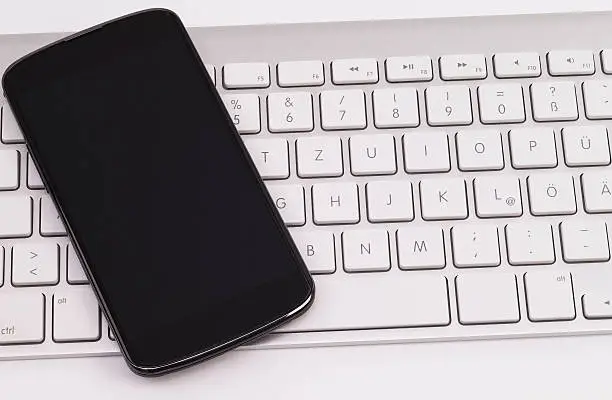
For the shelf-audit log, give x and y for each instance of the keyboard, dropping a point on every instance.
(444, 179)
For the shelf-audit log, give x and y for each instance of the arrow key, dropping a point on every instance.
(597, 306)
(35, 264)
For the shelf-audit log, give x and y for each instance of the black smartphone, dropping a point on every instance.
(182, 244)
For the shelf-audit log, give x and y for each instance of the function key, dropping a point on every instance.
(356, 70)
(517, 65)
(571, 62)
(606, 61)
(463, 66)
(409, 69)
(300, 73)
(246, 75)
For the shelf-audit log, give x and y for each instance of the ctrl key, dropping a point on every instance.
(22, 318)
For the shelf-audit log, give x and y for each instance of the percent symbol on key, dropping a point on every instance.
(236, 105)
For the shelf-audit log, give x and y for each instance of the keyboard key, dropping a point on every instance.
(479, 150)
(35, 264)
(335, 203)
(586, 146)
(343, 304)
(448, 105)
(487, 298)
(289, 200)
(597, 95)
(443, 199)
(554, 101)
(372, 154)
(271, 157)
(571, 62)
(356, 70)
(396, 108)
(10, 130)
(606, 61)
(319, 156)
(551, 194)
(9, 169)
(246, 75)
(409, 69)
(290, 112)
(597, 191)
(530, 243)
(595, 306)
(584, 241)
(343, 109)
(22, 317)
(244, 112)
(15, 216)
(389, 201)
(76, 316)
(74, 270)
(2, 262)
(211, 72)
(420, 247)
(300, 73)
(501, 104)
(475, 246)
(426, 151)
(366, 250)
(464, 66)
(317, 250)
(517, 65)
(533, 148)
(50, 222)
(34, 179)
(550, 296)
(497, 196)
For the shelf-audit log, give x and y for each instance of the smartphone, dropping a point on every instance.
(180, 240)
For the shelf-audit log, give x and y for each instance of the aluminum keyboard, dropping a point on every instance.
(445, 179)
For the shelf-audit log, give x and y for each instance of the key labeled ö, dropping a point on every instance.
(551, 194)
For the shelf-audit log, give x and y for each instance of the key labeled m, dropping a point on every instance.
(420, 246)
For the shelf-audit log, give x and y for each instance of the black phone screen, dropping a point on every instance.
(174, 225)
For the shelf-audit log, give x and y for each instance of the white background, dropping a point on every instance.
(559, 368)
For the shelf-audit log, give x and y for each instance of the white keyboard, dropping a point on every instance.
(444, 179)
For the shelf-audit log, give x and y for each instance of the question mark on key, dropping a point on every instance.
(552, 90)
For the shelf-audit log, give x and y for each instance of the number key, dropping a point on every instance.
(448, 105)
(244, 111)
(343, 109)
(396, 108)
(290, 112)
(501, 104)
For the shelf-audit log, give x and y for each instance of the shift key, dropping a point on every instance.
(22, 318)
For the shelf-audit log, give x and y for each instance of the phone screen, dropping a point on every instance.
(182, 243)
